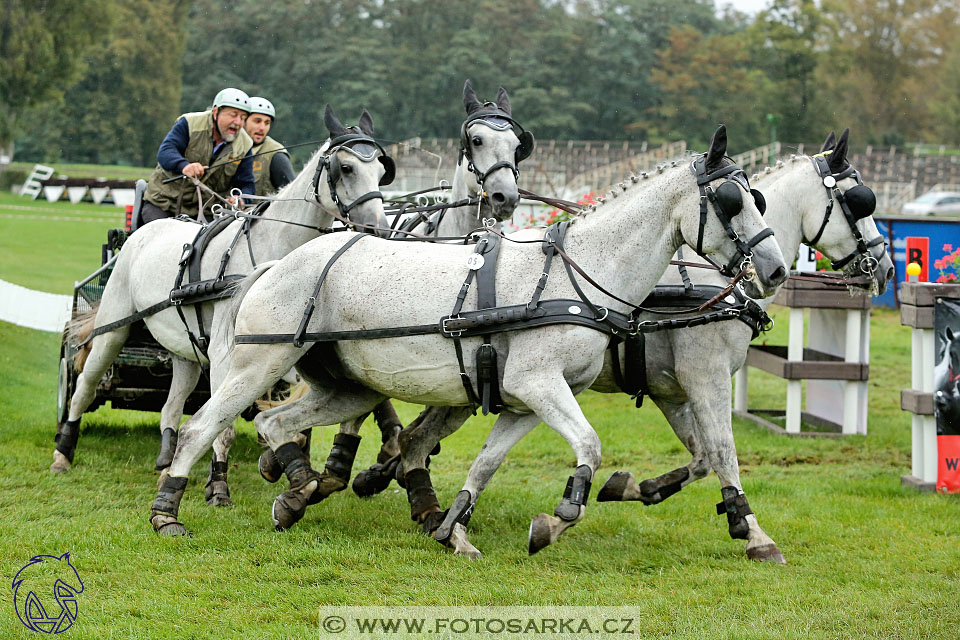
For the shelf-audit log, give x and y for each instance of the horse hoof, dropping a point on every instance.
(288, 509)
(218, 494)
(540, 535)
(167, 525)
(328, 485)
(766, 553)
(219, 500)
(615, 487)
(269, 466)
(371, 481)
(60, 463)
(460, 544)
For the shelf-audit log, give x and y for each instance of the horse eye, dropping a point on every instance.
(476, 141)
(346, 169)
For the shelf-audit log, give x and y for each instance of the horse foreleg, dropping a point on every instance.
(186, 374)
(103, 351)
(506, 432)
(623, 486)
(715, 434)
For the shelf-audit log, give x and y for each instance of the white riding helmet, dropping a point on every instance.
(264, 106)
(231, 97)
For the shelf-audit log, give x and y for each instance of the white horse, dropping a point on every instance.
(625, 244)
(487, 171)
(688, 371)
(487, 167)
(148, 265)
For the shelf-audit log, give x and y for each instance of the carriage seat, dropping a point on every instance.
(135, 220)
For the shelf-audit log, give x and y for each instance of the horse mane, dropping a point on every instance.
(631, 180)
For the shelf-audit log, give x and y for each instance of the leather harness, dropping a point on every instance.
(488, 318)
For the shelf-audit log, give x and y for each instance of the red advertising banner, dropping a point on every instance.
(918, 250)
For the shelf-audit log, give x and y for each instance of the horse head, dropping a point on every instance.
(734, 233)
(493, 144)
(844, 230)
(350, 173)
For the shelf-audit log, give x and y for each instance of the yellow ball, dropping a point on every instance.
(913, 269)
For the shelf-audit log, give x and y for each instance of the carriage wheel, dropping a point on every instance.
(66, 381)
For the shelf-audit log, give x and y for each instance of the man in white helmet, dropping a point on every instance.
(211, 146)
(271, 162)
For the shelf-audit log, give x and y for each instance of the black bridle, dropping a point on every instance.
(727, 203)
(856, 203)
(366, 149)
(498, 120)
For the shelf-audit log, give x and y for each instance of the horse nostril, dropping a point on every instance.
(889, 274)
(779, 275)
(499, 198)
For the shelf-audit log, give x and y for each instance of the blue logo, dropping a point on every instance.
(54, 580)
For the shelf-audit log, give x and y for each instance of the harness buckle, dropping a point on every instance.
(450, 333)
(606, 312)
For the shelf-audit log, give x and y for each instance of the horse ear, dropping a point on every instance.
(503, 101)
(829, 143)
(334, 126)
(470, 101)
(837, 161)
(366, 123)
(718, 147)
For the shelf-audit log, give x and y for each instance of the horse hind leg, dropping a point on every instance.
(186, 374)
(505, 434)
(622, 486)
(715, 434)
(103, 351)
(378, 477)
(280, 427)
(417, 442)
(217, 491)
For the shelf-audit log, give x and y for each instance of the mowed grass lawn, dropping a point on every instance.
(866, 557)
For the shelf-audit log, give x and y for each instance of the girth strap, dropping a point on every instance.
(312, 300)
(192, 294)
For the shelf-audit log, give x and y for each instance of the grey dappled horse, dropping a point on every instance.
(689, 370)
(487, 169)
(625, 244)
(487, 166)
(148, 264)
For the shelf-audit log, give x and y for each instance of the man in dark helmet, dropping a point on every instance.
(211, 146)
(271, 162)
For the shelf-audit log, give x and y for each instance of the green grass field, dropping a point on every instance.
(867, 559)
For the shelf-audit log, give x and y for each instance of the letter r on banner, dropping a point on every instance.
(918, 250)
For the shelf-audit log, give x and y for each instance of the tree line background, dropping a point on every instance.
(102, 81)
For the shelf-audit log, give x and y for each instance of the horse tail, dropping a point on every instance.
(78, 329)
(295, 392)
(226, 328)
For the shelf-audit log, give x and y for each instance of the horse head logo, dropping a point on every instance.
(53, 579)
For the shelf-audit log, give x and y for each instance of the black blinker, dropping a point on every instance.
(527, 144)
(730, 199)
(334, 168)
(389, 170)
(759, 200)
(861, 200)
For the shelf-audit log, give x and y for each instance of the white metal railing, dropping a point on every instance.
(31, 186)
